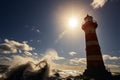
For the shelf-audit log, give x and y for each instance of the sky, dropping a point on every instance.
(39, 29)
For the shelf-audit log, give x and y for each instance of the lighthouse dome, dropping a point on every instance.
(88, 18)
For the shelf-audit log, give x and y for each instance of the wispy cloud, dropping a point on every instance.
(98, 3)
(112, 66)
(72, 53)
(27, 53)
(38, 30)
(108, 57)
(16, 60)
(77, 61)
(11, 46)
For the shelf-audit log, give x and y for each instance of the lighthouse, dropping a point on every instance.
(95, 66)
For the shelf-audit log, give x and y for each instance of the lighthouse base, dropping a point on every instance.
(97, 73)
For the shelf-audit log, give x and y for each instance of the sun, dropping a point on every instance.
(73, 23)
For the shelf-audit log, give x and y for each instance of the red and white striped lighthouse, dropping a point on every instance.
(95, 65)
(93, 52)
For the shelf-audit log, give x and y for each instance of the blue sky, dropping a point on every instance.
(40, 23)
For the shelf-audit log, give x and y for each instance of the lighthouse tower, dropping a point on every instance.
(95, 65)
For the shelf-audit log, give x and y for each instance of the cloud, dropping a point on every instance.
(38, 30)
(11, 46)
(28, 53)
(76, 61)
(67, 73)
(16, 60)
(6, 48)
(35, 53)
(108, 57)
(112, 66)
(98, 3)
(72, 53)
